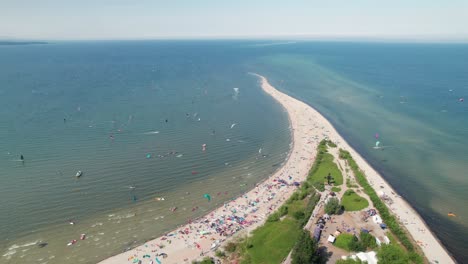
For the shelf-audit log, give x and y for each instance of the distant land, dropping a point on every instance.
(21, 42)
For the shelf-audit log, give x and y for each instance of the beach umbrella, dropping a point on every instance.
(207, 196)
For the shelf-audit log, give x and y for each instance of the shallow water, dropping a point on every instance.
(407, 93)
(102, 108)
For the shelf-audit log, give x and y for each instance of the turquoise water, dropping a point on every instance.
(408, 93)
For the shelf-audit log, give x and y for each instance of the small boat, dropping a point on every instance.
(78, 174)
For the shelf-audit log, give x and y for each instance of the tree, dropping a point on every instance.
(305, 250)
(367, 240)
(333, 206)
(392, 254)
(329, 178)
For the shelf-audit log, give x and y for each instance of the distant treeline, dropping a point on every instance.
(21, 42)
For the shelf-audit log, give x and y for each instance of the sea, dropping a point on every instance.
(156, 127)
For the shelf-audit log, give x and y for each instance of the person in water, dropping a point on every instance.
(22, 157)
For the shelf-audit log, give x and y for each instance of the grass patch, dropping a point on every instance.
(350, 184)
(273, 241)
(351, 201)
(326, 165)
(336, 189)
(344, 241)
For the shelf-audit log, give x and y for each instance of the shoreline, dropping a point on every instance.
(250, 210)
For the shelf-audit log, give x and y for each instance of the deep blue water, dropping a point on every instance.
(408, 93)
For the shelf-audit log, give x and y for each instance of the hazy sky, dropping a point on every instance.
(142, 19)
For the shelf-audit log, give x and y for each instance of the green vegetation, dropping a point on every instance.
(230, 247)
(392, 254)
(351, 201)
(305, 250)
(349, 261)
(350, 242)
(324, 165)
(206, 260)
(367, 240)
(387, 217)
(220, 254)
(333, 206)
(331, 144)
(350, 184)
(273, 241)
(344, 241)
(336, 189)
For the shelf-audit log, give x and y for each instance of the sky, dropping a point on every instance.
(154, 19)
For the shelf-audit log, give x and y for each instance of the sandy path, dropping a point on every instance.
(250, 210)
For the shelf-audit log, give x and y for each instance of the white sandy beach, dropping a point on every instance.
(247, 212)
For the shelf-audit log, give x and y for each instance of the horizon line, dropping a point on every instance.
(293, 37)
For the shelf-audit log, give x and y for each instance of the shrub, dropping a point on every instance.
(206, 260)
(274, 217)
(392, 254)
(319, 186)
(310, 208)
(367, 240)
(230, 247)
(356, 245)
(299, 215)
(333, 206)
(283, 210)
(220, 254)
(331, 144)
(305, 250)
(303, 194)
(294, 197)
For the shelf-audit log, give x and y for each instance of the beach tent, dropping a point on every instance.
(317, 233)
(383, 226)
(376, 218)
(378, 242)
(386, 240)
(369, 257)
